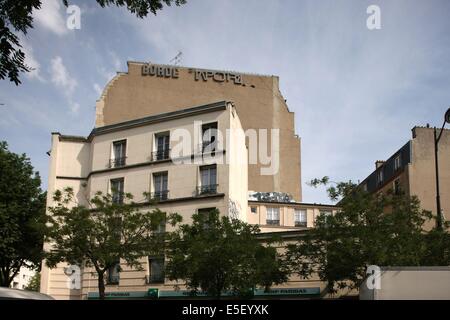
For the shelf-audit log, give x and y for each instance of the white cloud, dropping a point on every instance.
(51, 16)
(61, 77)
(115, 60)
(97, 89)
(63, 80)
(74, 107)
(31, 62)
(107, 74)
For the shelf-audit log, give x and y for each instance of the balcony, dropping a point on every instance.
(155, 278)
(211, 144)
(112, 279)
(207, 189)
(117, 162)
(273, 222)
(300, 224)
(160, 155)
(117, 198)
(160, 195)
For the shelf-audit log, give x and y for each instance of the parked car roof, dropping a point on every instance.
(9, 293)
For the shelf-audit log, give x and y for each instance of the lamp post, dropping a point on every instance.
(436, 162)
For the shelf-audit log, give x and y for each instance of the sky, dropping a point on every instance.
(356, 93)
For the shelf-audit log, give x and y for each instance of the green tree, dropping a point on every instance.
(368, 229)
(16, 18)
(103, 232)
(217, 254)
(35, 283)
(22, 215)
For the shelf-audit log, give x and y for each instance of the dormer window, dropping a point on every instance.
(380, 176)
(397, 162)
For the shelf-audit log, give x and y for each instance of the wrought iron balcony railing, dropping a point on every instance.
(117, 162)
(117, 198)
(160, 155)
(273, 222)
(207, 189)
(160, 195)
(211, 145)
(155, 278)
(300, 223)
(113, 279)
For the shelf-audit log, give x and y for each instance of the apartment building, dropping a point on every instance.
(23, 278)
(411, 169)
(139, 156)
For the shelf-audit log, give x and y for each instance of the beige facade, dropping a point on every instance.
(89, 165)
(410, 283)
(148, 89)
(292, 215)
(414, 172)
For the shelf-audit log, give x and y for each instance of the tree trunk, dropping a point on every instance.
(4, 277)
(7, 275)
(101, 285)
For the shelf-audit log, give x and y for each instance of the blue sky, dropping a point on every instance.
(356, 93)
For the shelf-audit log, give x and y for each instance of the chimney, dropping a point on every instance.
(379, 163)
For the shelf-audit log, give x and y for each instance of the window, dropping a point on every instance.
(161, 227)
(209, 137)
(160, 191)
(156, 270)
(208, 180)
(119, 154)
(273, 216)
(300, 217)
(325, 213)
(397, 162)
(113, 273)
(380, 176)
(117, 187)
(254, 209)
(162, 141)
(397, 188)
(206, 213)
(115, 228)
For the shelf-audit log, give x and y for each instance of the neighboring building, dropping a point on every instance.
(412, 170)
(22, 279)
(408, 283)
(275, 212)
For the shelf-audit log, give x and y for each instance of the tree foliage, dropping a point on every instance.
(216, 254)
(22, 215)
(368, 229)
(16, 17)
(99, 234)
(35, 283)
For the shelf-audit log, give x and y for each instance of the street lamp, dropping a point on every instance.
(436, 162)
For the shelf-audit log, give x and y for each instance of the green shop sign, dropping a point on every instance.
(153, 293)
(120, 295)
(288, 291)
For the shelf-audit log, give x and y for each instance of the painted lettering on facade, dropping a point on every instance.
(160, 71)
(163, 71)
(218, 76)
